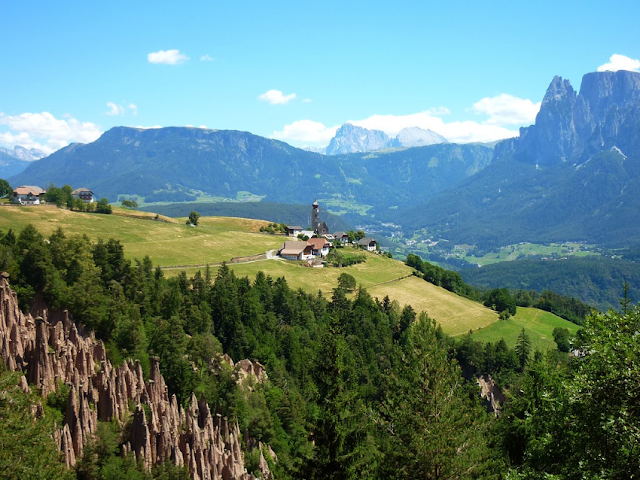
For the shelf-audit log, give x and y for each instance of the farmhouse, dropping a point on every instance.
(320, 246)
(341, 237)
(83, 194)
(28, 195)
(296, 251)
(368, 244)
(294, 230)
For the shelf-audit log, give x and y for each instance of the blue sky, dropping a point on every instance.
(470, 70)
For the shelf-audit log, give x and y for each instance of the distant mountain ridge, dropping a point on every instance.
(574, 175)
(180, 164)
(23, 153)
(13, 161)
(350, 138)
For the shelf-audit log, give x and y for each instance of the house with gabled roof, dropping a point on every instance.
(83, 194)
(319, 245)
(294, 230)
(341, 237)
(28, 195)
(296, 251)
(368, 244)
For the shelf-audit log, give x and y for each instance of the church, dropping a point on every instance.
(318, 227)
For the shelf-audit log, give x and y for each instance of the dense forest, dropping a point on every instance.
(596, 280)
(358, 387)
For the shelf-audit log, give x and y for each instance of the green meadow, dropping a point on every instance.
(538, 324)
(167, 241)
(170, 242)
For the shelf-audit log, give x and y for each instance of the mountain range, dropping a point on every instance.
(573, 175)
(14, 161)
(350, 138)
(178, 164)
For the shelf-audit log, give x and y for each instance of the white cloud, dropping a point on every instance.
(505, 109)
(307, 100)
(311, 133)
(276, 97)
(620, 62)
(134, 108)
(207, 58)
(44, 131)
(114, 109)
(306, 131)
(456, 132)
(167, 57)
(142, 127)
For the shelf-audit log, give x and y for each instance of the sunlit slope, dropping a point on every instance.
(538, 324)
(456, 314)
(219, 239)
(215, 240)
(382, 276)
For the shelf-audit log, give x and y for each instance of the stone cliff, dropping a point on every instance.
(575, 126)
(50, 349)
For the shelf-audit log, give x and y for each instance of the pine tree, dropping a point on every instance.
(523, 348)
(432, 432)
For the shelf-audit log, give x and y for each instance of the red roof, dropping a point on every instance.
(318, 243)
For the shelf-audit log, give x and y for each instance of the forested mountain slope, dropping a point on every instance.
(176, 164)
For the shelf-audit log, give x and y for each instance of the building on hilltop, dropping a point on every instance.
(342, 237)
(368, 244)
(28, 195)
(320, 246)
(83, 194)
(294, 230)
(296, 251)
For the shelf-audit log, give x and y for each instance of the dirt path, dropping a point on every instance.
(259, 257)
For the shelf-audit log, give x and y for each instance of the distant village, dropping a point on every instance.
(319, 240)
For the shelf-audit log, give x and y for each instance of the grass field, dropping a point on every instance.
(167, 243)
(522, 250)
(538, 324)
(218, 239)
(380, 276)
(457, 315)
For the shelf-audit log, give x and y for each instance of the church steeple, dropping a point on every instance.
(315, 216)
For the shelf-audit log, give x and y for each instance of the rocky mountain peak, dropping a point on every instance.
(350, 139)
(418, 137)
(22, 153)
(559, 90)
(573, 127)
(601, 90)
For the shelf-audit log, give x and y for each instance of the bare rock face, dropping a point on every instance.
(51, 350)
(575, 126)
(491, 393)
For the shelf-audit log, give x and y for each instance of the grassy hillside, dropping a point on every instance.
(166, 243)
(219, 239)
(273, 212)
(538, 324)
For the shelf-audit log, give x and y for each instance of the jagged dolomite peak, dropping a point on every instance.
(50, 349)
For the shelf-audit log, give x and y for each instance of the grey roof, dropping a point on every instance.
(293, 248)
(363, 242)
